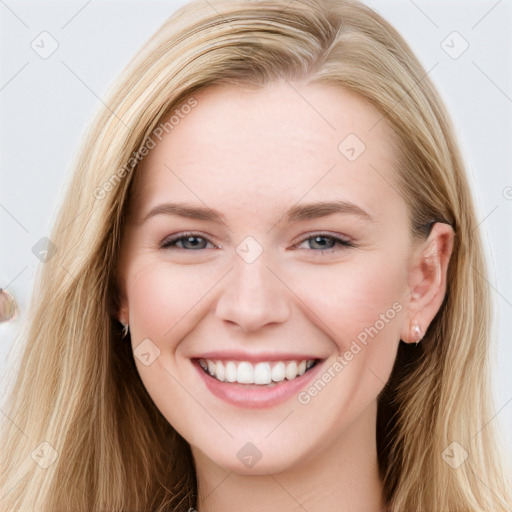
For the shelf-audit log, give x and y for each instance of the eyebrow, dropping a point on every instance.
(297, 213)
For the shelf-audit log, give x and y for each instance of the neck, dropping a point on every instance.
(341, 477)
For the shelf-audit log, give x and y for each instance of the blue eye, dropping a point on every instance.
(320, 238)
(194, 241)
(190, 239)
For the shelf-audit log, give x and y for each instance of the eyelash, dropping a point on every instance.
(168, 243)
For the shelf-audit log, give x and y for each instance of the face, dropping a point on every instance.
(260, 280)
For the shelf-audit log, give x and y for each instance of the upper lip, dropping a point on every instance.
(237, 355)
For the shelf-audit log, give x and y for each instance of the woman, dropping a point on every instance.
(198, 346)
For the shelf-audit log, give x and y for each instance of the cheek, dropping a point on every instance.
(360, 307)
(163, 298)
(351, 298)
(164, 307)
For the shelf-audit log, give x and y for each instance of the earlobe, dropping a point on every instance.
(122, 310)
(124, 319)
(119, 301)
(123, 315)
(427, 279)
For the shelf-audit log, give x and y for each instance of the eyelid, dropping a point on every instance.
(171, 239)
(344, 242)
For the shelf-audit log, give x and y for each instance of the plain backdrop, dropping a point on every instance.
(46, 101)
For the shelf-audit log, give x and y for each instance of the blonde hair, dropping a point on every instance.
(78, 388)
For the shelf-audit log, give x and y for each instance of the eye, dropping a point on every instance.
(195, 241)
(189, 241)
(325, 242)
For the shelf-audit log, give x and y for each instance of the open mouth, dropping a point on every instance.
(264, 373)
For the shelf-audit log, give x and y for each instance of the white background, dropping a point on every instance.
(46, 103)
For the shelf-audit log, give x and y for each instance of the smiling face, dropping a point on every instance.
(264, 273)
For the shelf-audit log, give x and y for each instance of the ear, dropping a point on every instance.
(427, 276)
(122, 315)
(118, 302)
(119, 308)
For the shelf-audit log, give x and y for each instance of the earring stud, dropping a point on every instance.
(416, 333)
(125, 331)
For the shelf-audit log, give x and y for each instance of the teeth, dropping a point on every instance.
(220, 371)
(278, 372)
(291, 370)
(262, 374)
(231, 372)
(244, 372)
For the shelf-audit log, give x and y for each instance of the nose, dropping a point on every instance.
(253, 296)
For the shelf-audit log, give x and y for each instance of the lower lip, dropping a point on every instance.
(256, 396)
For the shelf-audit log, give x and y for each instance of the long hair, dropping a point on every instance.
(81, 433)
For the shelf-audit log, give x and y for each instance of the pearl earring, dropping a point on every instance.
(416, 333)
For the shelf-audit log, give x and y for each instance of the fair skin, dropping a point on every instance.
(251, 155)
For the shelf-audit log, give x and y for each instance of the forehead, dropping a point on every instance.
(272, 146)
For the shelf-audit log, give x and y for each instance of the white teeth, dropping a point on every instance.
(231, 372)
(245, 373)
(278, 372)
(263, 373)
(291, 370)
(219, 371)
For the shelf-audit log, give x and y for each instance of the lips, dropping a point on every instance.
(256, 381)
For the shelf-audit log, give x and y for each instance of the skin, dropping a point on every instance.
(251, 155)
